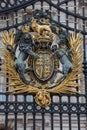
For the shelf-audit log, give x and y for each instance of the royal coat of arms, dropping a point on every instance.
(40, 58)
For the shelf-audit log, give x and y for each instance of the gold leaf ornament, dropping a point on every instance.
(42, 98)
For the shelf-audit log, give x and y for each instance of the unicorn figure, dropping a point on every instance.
(62, 54)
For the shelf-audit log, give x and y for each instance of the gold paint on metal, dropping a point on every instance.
(43, 92)
(43, 98)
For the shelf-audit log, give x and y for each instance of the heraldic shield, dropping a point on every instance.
(49, 61)
(44, 65)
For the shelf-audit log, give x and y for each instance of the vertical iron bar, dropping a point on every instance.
(84, 47)
(75, 19)
(59, 14)
(6, 113)
(43, 121)
(7, 22)
(75, 28)
(15, 2)
(41, 6)
(24, 112)
(33, 7)
(61, 128)
(78, 116)
(34, 124)
(50, 10)
(24, 15)
(6, 121)
(67, 24)
(16, 18)
(7, 3)
(70, 127)
(78, 119)
(34, 121)
(83, 14)
(15, 120)
(61, 123)
(52, 123)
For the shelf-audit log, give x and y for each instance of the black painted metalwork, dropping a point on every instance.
(66, 111)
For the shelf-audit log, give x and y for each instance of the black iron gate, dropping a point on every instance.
(66, 112)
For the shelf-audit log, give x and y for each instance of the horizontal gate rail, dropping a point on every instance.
(66, 107)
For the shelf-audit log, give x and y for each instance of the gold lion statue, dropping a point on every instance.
(41, 29)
